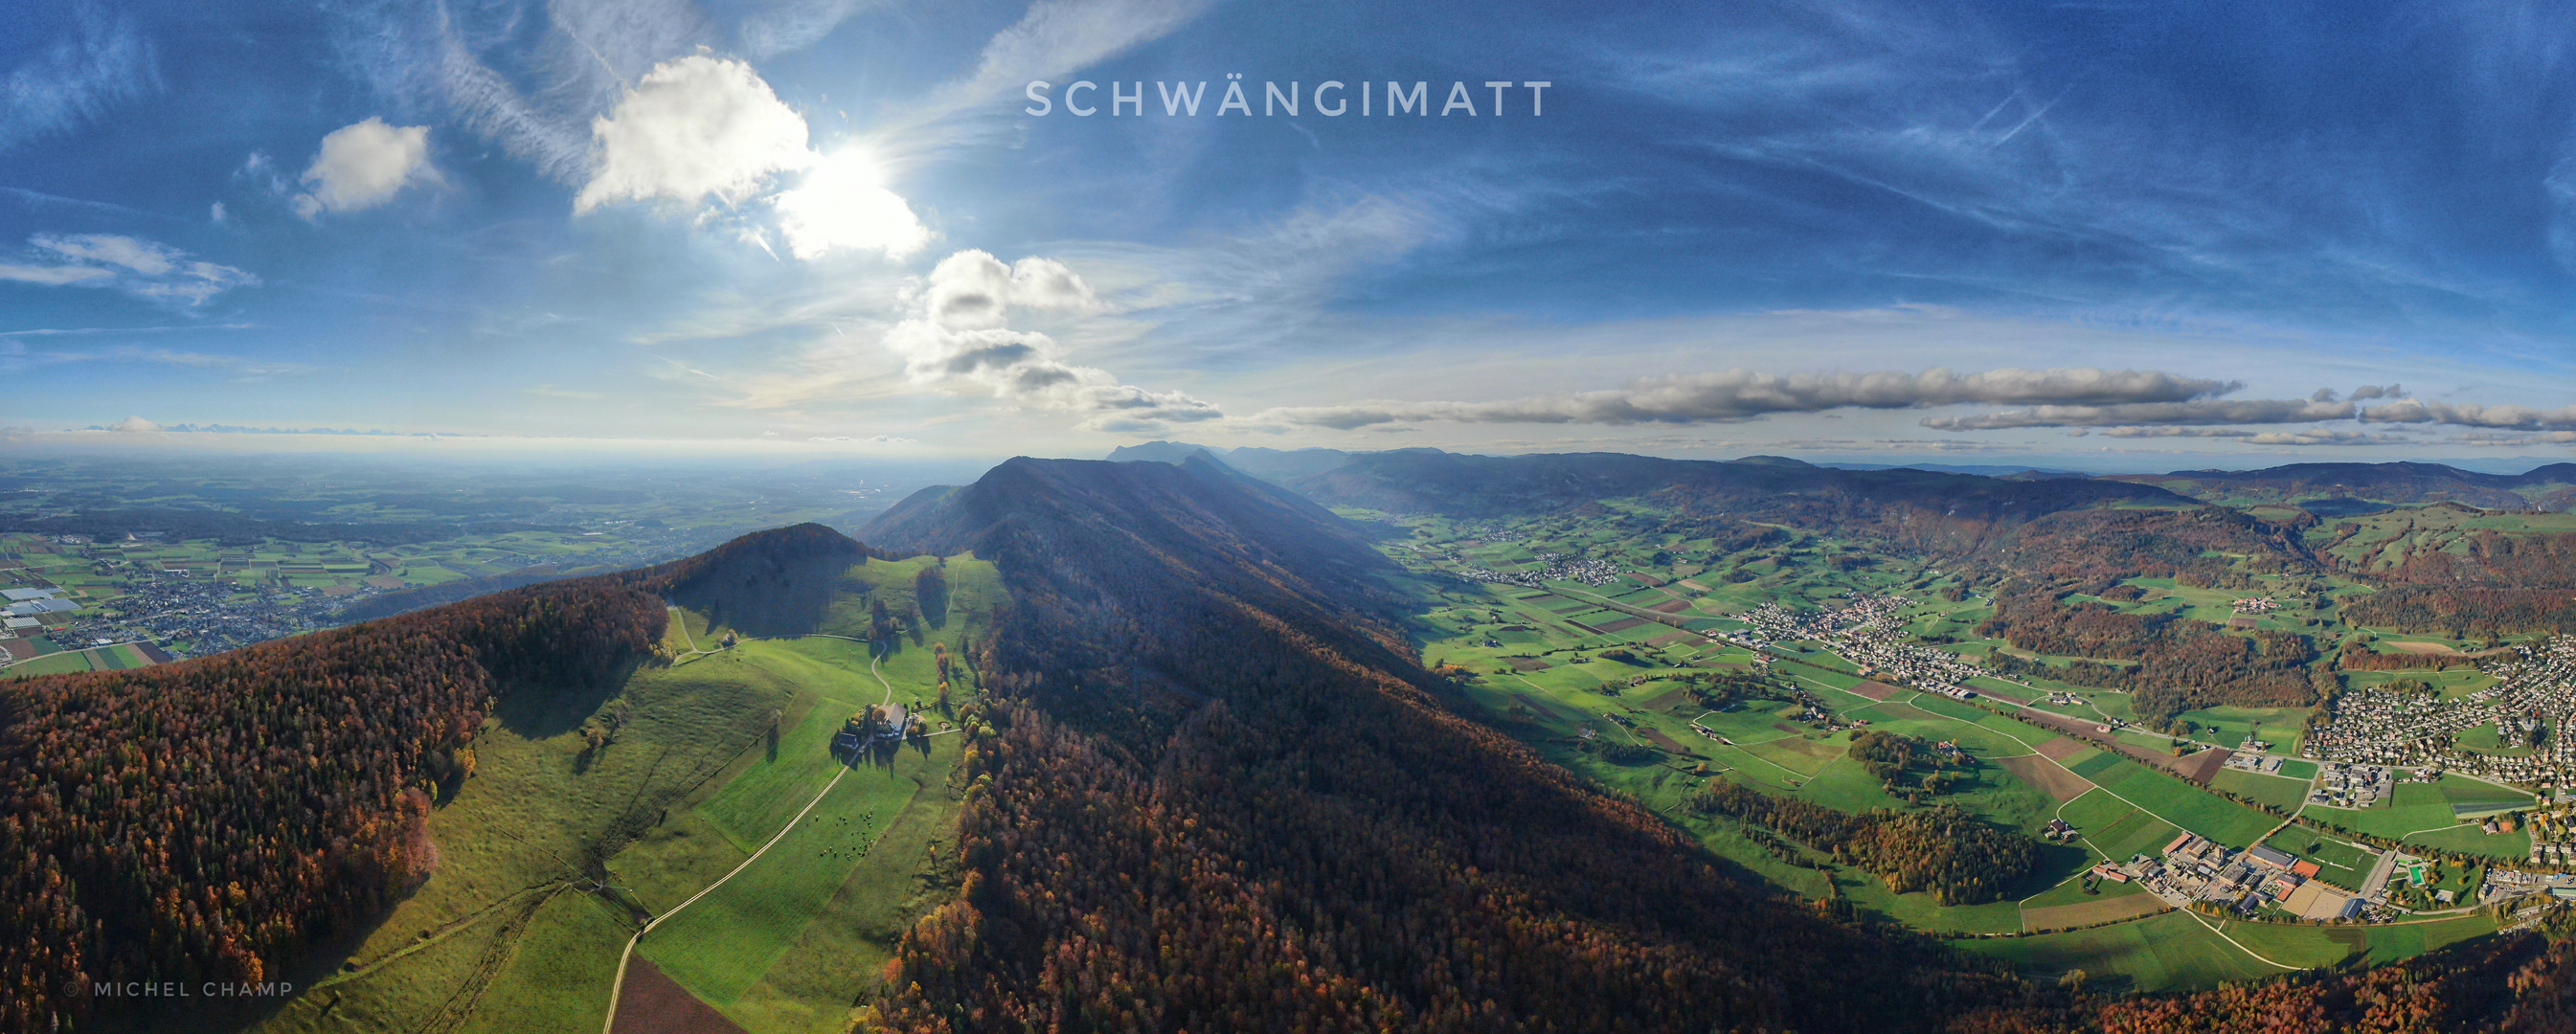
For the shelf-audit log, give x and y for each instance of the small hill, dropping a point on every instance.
(1268, 464)
(773, 584)
(1160, 452)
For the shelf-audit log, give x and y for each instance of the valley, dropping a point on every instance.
(1160, 744)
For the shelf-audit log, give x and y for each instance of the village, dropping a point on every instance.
(1869, 632)
(2408, 723)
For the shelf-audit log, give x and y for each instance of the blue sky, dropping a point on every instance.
(2114, 235)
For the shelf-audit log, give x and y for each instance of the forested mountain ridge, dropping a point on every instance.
(1433, 481)
(2550, 487)
(1223, 796)
(212, 820)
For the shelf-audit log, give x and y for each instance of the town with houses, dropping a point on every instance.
(1870, 631)
(2412, 725)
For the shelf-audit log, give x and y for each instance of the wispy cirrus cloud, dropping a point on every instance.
(143, 268)
(1055, 38)
(15, 355)
(76, 80)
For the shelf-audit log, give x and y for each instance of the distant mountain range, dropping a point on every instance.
(2327, 489)
(2332, 489)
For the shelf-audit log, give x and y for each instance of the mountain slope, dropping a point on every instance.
(218, 819)
(1224, 797)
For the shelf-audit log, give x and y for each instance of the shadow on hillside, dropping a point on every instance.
(539, 710)
(767, 598)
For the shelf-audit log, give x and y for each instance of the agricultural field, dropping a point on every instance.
(2175, 801)
(2423, 813)
(2180, 951)
(554, 847)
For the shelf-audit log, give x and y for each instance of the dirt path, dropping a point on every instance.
(618, 986)
(2222, 935)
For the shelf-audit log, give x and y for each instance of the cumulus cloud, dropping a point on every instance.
(143, 268)
(961, 340)
(363, 165)
(694, 128)
(1743, 394)
(2470, 414)
(2194, 411)
(134, 424)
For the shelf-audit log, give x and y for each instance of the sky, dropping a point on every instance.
(2101, 236)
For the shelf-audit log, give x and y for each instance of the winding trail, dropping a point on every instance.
(617, 987)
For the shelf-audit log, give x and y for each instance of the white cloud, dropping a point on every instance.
(2470, 414)
(691, 129)
(363, 165)
(843, 203)
(1743, 394)
(2315, 436)
(2198, 411)
(217, 214)
(146, 269)
(961, 340)
(150, 258)
(52, 276)
(134, 423)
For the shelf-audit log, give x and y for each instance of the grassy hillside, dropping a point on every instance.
(553, 849)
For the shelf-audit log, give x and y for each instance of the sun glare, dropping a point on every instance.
(843, 203)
